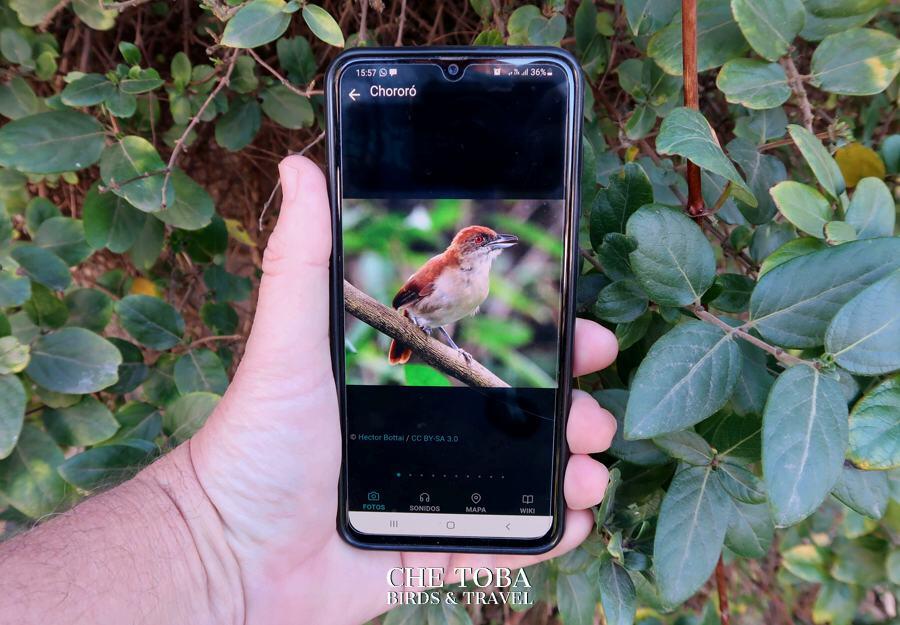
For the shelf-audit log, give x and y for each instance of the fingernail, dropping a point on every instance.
(290, 181)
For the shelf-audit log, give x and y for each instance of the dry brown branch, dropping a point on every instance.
(796, 83)
(179, 144)
(395, 325)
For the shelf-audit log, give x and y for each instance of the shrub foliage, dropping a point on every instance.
(757, 391)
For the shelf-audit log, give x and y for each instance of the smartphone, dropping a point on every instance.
(454, 179)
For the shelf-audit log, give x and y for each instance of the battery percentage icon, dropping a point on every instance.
(392, 71)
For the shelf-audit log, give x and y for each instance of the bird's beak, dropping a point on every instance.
(503, 241)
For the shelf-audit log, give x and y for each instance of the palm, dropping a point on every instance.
(269, 457)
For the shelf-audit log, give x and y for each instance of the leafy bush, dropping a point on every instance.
(756, 391)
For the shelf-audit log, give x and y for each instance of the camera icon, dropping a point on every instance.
(374, 495)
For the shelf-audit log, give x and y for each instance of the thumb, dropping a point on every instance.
(288, 343)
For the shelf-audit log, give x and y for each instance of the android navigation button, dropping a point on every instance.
(354, 94)
(451, 525)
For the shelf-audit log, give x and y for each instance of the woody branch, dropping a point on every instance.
(395, 325)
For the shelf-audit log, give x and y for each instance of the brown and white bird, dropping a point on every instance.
(450, 286)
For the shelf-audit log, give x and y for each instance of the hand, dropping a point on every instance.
(269, 456)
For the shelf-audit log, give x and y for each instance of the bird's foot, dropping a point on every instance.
(466, 355)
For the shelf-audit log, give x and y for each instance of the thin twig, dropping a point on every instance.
(115, 185)
(363, 13)
(691, 95)
(118, 6)
(723, 197)
(395, 325)
(179, 144)
(213, 339)
(284, 81)
(796, 83)
(783, 356)
(591, 259)
(48, 19)
(789, 141)
(401, 24)
(271, 197)
(722, 588)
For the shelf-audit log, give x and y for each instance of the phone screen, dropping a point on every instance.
(454, 212)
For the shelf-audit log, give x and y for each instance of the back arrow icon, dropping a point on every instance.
(353, 94)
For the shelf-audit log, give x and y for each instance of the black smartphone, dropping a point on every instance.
(454, 184)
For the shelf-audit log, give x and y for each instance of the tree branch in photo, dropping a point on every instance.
(796, 83)
(395, 325)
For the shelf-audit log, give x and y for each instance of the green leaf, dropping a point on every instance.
(647, 16)
(640, 123)
(686, 376)
(122, 105)
(323, 25)
(867, 492)
(636, 452)
(12, 412)
(836, 603)
(64, 237)
(15, 47)
(110, 221)
(740, 483)
(753, 385)
(146, 80)
(296, 58)
(871, 211)
(547, 32)
(720, 40)
(106, 466)
(686, 446)
(14, 355)
(287, 108)
(875, 429)
(808, 562)
(734, 294)
(864, 335)
(755, 84)
(750, 529)
(73, 360)
(93, 15)
(226, 287)
(17, 99)
(837, 232)
(577, 597)
(823, 166)
(133, 169)
(138, 421)
(42, 266)
(193, 207)
(804, 440)
(769, 25)
(31, 12)
(180, 68)
(28, 478)
(188, 414)
(14, 290)
(89, 308)
(256, 23)
(791, 249)
(445, 613)
(237, 128)
(51, 143)
(860, 562)
(200, 370)
(150, 321)
(409, 614)
(220, 318)
(803, 206)
(86, 423)
(690, 532)
(673, 262)
(761, 126)
(686, 132)
(88, 90)
(149, 244)
(617, 593)
(842, 8)
(621, 302)
(627, 191)
(45, 309)
(39, 210)
(132, 371)
(793, 303)
(860, 61)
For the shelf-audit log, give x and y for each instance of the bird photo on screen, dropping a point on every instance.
(449, 286)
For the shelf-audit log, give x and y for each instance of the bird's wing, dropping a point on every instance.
(419, 285)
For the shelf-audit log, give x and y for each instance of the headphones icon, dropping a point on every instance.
(424, 498)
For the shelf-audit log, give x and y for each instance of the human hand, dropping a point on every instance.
(268, 458)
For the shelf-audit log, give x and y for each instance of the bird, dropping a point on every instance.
(449, 286)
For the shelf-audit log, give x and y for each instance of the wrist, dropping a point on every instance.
(195, 537)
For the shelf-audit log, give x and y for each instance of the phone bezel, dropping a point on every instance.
(572, 176)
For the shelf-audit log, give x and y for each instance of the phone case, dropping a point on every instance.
(567, 320)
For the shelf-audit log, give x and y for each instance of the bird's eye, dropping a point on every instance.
(479, 239)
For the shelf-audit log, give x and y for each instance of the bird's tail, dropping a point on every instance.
(398, 353)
